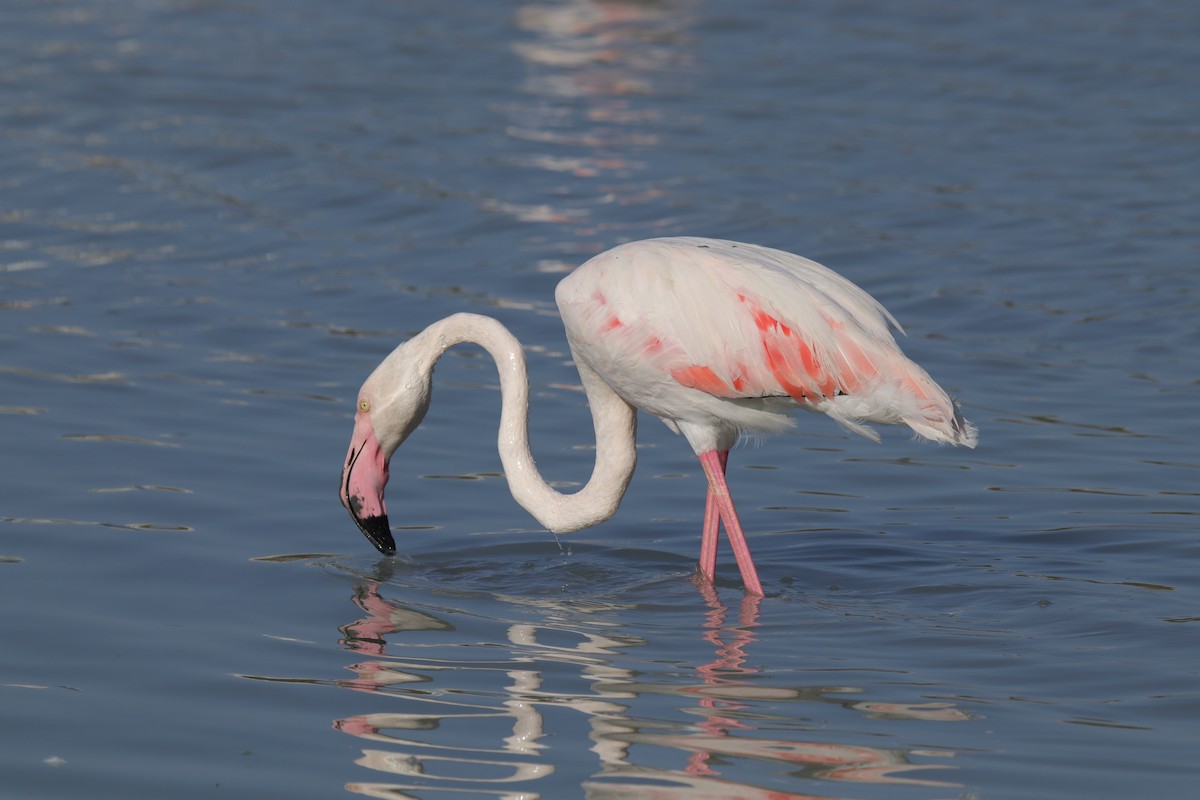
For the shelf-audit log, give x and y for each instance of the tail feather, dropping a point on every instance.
(931, 413)
(909, 397)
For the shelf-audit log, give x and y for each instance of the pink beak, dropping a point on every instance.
(363, 479)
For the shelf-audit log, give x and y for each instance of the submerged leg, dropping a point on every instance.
(718, 491)
(712, 526)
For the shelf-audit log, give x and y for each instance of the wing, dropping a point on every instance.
(737, 322)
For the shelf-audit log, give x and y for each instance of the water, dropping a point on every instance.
(217, 217)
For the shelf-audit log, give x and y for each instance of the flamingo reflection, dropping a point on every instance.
(493, 742)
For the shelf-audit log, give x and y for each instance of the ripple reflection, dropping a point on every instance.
(587, 118)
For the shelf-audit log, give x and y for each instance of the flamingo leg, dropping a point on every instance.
(712, 526)
(719, 492)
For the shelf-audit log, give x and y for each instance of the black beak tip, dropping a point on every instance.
(378, 533)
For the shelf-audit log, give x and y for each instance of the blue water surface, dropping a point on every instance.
(217, 217)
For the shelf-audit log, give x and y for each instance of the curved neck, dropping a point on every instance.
(614, 420)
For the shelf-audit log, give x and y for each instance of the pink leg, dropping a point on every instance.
(719, 493)
(712, 527)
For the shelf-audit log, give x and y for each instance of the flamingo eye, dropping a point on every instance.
(364, 405)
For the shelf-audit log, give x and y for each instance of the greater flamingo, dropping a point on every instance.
(715, 338)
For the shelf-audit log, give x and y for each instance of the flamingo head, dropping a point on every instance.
(391, 404)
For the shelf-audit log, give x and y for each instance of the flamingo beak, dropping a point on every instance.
(363, 480)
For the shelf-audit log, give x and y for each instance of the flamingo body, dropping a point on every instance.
(716, 338)
(720, 338)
